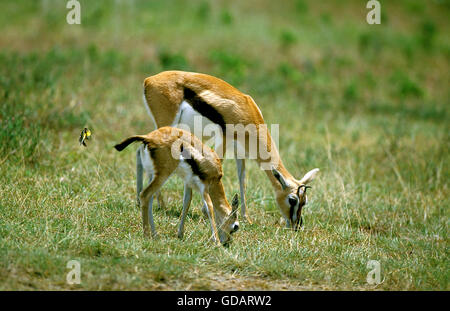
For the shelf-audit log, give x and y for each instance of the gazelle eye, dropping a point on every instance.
(293, 201)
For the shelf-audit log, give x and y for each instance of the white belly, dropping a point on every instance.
(189, 119)
(184, 171)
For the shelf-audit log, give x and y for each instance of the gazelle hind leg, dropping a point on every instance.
(157, 195)
(150, 218)
(146, 199)
(139, 175)
(187, 196)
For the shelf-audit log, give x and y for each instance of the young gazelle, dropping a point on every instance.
(177, 97)
(168, 150)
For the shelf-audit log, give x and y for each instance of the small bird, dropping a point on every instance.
(85, 135)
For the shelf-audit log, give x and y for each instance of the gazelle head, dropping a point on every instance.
(229, 224)
(291, 197)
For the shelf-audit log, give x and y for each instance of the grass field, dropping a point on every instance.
(367, 104)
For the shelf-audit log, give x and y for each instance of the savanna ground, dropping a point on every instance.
(367, 104)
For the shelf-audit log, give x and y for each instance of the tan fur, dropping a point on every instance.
(165, 162)
(164, 94)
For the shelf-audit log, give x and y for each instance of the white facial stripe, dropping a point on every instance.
(232, 226)
(294, 214)
(294, 209)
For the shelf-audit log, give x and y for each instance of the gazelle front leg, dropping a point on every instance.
(150, 218)
(187, 196)
(240, 163)
(212, 219)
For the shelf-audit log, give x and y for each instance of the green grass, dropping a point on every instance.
(368, 105)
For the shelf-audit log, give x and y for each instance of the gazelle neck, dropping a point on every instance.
(219, 201)
(274, 160)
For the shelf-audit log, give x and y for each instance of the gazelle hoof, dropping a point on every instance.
(247, 219)
(215, 242)
(154, 235)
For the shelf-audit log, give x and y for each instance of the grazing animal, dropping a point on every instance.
(168, 150)
(177, 97)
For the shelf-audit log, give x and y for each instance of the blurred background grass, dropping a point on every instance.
(368, 104)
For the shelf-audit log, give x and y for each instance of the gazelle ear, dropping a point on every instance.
(235, 202)
(235, 206)
(280, 178)
(309, 176)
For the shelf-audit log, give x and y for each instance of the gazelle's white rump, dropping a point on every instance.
(147, 161)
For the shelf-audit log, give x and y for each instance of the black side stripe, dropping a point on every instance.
(203, 108)
(192, 163)
(195, 168)
(152, 152)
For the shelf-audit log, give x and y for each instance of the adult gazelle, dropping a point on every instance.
(174, 98)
